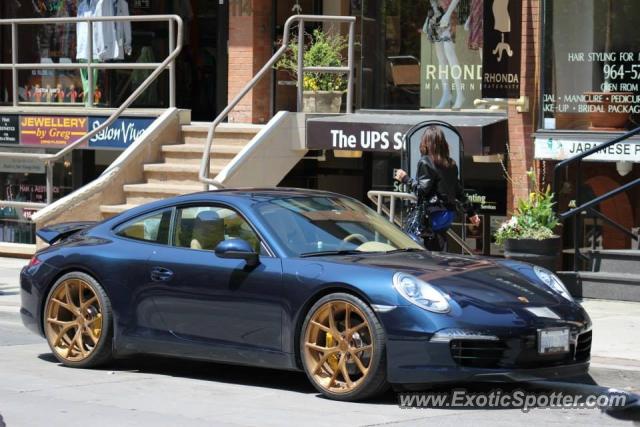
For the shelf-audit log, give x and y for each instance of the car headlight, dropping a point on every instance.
(420, 293)
(552, 281)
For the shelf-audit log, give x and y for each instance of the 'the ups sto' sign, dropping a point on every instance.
(501, 49)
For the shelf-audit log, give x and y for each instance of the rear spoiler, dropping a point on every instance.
(57, 232)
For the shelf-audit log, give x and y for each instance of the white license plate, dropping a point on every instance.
(553, 341)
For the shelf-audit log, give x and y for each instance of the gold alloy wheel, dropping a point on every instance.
(73, 320)
(338, 347)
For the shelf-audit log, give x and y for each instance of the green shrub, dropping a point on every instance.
(534, 217)
(322, 50)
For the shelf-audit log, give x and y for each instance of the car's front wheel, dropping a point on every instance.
(78, 321)
(343, 348)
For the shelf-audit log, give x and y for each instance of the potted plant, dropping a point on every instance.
(529, 234)
(322, 92)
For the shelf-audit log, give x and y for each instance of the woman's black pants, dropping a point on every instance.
(436, 241)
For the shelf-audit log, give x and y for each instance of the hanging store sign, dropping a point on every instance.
(51, 131)
(327, 135)
(501, 49)
(9, 129)
(560, 149)
(119, 135)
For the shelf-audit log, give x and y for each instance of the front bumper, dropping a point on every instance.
(504, 350)
(423, 362)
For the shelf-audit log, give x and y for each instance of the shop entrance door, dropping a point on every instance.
(202, 66)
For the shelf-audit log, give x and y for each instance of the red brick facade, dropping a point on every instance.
(249, 49)
(522, 125)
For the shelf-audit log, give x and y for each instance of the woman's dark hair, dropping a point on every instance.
(434, 145)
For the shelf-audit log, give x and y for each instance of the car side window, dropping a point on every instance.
(150, 228)
(204, 227)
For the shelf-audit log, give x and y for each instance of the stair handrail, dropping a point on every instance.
(205, 165)
(590, 205)
(377, 198)
(175, 24)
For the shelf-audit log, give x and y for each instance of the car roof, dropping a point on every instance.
(230, 195)
(266, 193)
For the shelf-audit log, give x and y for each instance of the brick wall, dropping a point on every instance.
(522, 125)
(249, 49)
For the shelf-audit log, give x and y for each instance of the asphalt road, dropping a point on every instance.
(35, 390)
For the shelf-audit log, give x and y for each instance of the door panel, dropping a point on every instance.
(219, 300)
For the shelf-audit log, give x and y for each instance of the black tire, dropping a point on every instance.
(375, 382)
(102, 351)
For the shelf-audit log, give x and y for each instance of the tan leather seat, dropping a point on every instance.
(208, 231)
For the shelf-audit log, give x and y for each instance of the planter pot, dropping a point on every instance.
(321, 101)
(601, 117)
(544, 253)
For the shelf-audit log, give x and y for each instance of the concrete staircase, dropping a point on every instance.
(615, 274)
(178, 172)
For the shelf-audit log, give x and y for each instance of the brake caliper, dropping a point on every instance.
(333, 359)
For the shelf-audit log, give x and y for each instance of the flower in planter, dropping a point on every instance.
(534, 217)
(321, 50)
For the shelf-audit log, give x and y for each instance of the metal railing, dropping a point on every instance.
(175, 46)
(268, 67)
(378, 199)
(589, 207)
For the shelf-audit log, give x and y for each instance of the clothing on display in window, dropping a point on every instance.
(436, 33)
(476, 25)
(111, 40)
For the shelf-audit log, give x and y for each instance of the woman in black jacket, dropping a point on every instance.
(437, 184)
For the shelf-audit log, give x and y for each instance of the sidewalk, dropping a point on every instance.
(616, 333)
(616, 324)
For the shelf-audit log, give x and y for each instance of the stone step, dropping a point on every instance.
(112, 210)
(192, 154)
(230, 134)
(196, 139)
(224, 128)
(175, 173)
(602, 285)
(616, 260)
(138, 194)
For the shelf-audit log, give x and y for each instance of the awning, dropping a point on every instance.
(384, 131)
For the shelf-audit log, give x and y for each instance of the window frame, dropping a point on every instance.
(174, 217)
(121, 226)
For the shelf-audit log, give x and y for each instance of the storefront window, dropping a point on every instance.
(427, 53)
(62, 43)
(24, 180)
(591, 64)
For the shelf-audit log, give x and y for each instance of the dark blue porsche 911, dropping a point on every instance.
(296, 279)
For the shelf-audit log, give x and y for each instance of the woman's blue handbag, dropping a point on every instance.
(441, 219)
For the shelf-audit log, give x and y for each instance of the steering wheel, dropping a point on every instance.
(353, 236)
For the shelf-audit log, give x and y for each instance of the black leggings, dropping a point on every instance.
(436, 241)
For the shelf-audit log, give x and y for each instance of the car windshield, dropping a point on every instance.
(321, 225)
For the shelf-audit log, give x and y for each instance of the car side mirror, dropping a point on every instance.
(237, 249)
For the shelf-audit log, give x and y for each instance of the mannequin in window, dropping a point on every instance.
(440, 28)
(111, 40)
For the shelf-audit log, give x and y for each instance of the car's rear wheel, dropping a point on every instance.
(78, 321)
(343, 348)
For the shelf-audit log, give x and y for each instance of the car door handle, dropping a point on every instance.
(161, 274)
